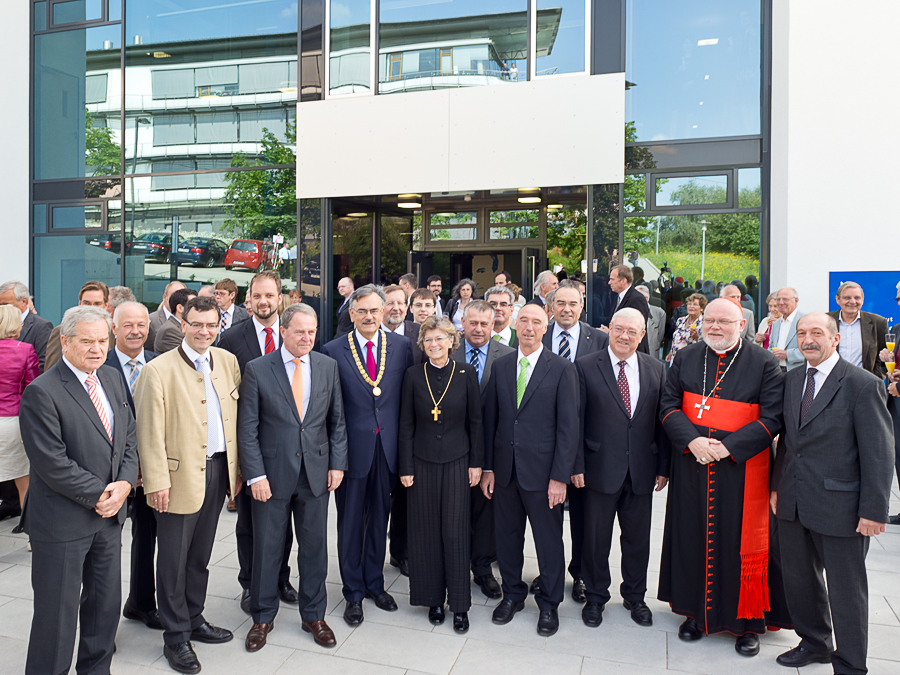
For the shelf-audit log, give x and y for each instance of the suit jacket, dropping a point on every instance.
(169, 336)
(541, 435)
(368, 415)
(242, 341)
(794, 355)
(590, 340)
(72, 458)
(344, 323)
(54, 347)
(637, 301)
(157, 319)
(272, 439)
(513, 339)
(495, 351)
(749, 331)
(835, 467)
(536, 300)
(36, 332)
(411, 333)
(613, 443)
(872, 329)
(171, 429)
(656, 330)
(112, 360)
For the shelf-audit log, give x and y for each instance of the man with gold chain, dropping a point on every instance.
(371, 363)
(721, 407)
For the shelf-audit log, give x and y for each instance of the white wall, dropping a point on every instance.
(14, 185)
(835, 142)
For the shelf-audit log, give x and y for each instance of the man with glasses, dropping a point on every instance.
(721, 408)
(422, 304)
(784, 331)
(501, 300)
(232, 314)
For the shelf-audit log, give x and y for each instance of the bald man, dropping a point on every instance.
(345, 288)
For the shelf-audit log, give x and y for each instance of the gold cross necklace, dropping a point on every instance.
(436, 411)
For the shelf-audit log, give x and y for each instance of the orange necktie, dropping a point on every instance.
(297, 387)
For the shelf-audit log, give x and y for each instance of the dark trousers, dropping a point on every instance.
(76, 580)
(397, 534)
(142, 585)
(633, 512)
(185, 544)
(484, 548)
(576, 528)
(439, 535)
(243, 533)
(804, 554)
(512, 505)
(270, 521)
(362, 508)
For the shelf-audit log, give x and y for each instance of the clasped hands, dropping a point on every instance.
(112, 499)
(707, 450)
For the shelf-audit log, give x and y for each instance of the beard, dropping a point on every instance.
(721, 344)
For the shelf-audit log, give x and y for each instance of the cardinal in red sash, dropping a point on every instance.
(721, 408)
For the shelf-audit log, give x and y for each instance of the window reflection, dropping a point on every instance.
(560, 36)
(350, 54)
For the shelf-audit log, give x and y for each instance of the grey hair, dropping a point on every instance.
(541, 280)
(297, 308)
(119, 295)
(365, 291)
(629, 313)
(729, 286)
(643, 290)
(19, 289)
(500, 290)
(68, 327)
(478, 306)
(128, 304)
(789, 288)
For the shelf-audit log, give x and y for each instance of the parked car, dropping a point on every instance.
(251, 254)
(156, 246)
(201, 251)
(110, 241)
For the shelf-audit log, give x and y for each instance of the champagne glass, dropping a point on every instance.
(890, 340)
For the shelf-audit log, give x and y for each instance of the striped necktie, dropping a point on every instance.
(270, 340)
(135, 371)
(475, 363)
(521, 381)
(94, 393)
(564, 350)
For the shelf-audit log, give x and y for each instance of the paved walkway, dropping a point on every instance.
(404, 642)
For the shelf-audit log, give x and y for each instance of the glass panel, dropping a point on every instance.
(77, 10)
(606, 252)
(566, 238)
(693, 70)
(77, 217)
(750, 193)
(509, 224)
(115, 10)
(312, 49)
(307, 256)
(451, 226)
(40, 218)
(40, 16)
(560, 36)
(350, 56)
(352, 253)
(440, 45)
(396, 241)
(683, 190)
(77, 103)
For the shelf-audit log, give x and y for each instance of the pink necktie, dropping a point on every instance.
(370, 360)
(98, 404)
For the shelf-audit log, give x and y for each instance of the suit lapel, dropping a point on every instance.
(117, 421)
(252, 341)
(26, 327)
(606, 372)
(79, 393)
(826, 393)
(541, 368)
(793, 394)
(493, 348)
(584, 341)
(869, 339)
(644, 379)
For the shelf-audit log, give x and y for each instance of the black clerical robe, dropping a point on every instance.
(715, 545)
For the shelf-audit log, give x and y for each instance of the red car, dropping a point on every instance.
(251, 254)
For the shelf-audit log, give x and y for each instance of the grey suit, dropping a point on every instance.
(833, 468)
(656, 330)
(794, 355)
(295, 455)
(76, 554)
(169, 336)
(157, 319)
(36, 331)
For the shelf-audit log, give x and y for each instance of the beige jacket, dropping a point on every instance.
(170, 404)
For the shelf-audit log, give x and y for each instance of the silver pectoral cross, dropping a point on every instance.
(702, 408)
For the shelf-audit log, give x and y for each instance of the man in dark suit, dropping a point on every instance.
(35, 330)
(572, 339)
(830, 491)
(162, 313)
(531, 439)
(293, 446)
(624, 457)
(480, 351)
(620, 281)
(344, 324)
(862, 333)
(545, 283)
(128, 356)
(170, 335)
(232, 314)
(79, 435)
(247, 341)
(502, 301)
(372, 364)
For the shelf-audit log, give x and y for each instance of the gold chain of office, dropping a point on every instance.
(376, 390)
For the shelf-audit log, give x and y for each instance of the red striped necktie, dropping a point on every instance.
(270, 340)
(94, 393)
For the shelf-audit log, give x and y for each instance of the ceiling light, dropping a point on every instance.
(708, 42)
(554, 206)
(409, 205)
(357, 215)
(409, 196)
(529, 200)
(530, 189)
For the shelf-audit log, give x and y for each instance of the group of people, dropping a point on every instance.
(774, 472)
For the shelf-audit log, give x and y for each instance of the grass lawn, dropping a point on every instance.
(719, 266)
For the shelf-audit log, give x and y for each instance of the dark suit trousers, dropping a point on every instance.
(804, 554)
(142, 586)
(363, 505)
(399, 499)
(243, 533)
(512, 505)
(484, 548)
(633, 512)
(72, 580)
(185, 544)
(576, 528)
(270, 521)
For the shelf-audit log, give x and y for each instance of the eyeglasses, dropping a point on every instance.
(621, 331)
(201, 326)
(439, 339)
(501, 305)
(725, 323)
(368, 312)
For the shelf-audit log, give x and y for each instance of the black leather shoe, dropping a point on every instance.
(149, 619)
(9, 509)
(506, 610)
(383, 601)
(579, 590)
(800, 656)
(640, 613)
(353, 613)
(489, 586)
(894, 520)
(245, 601)
(181, 657)
(461, 622)
(287, 593)
(436, 615)
(747, 644)
(689, 631)
(401, 564)
(18, 529)
(548, 623)
(533, 589)
(592, 614)
(210, 634)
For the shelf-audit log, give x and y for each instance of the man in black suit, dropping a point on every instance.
(830, 491)
(620, 281)
(572, 339)
(862, 333)
(79, 435)
(35, 330)
(545, 283)
(480, 351)
(624, 456)
(162, 313)
(293, 446)
(131, 323)
(435, 284)
(232, 314)
(247, 341)
(531, 439)
(170, 335)
(372, 364)
(502, 301)
(344, 324)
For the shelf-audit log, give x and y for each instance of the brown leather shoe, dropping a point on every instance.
(321, 633)
(231, 506)
(256, 638)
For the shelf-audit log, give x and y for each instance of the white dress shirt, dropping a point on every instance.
(438, 310)
(361, 341)
(401, 329)
(505, 335)
(574, 335)
(784, 332)
(621, 297)
(167, 313)
(823, 370)
(261, 333)
(214, 408)
(124, 359)
(104, 400)
(532, 362)
(25, 313)
(228, 315)
(632, 374)
(850, 345)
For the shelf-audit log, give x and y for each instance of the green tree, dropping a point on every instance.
(638, 230)
(103, 156)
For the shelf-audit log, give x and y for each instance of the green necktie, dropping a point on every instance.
(520, 382)
(496, 337)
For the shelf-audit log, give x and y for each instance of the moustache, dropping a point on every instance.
(810, 348)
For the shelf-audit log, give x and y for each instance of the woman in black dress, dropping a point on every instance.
(441, 452)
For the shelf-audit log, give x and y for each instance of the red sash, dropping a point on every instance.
(724, 415)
